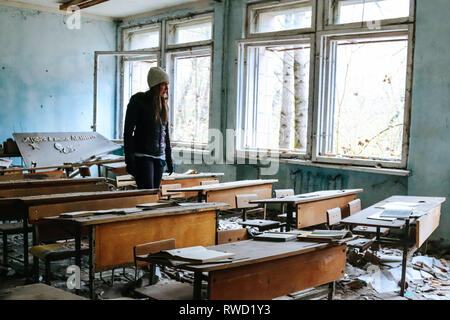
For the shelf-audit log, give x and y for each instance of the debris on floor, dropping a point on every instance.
(369, 275)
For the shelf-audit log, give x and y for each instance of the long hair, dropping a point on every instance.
(159, 104)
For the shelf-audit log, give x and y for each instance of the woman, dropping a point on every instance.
(146, 136)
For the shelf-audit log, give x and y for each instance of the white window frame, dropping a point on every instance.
(142, 29)
(187, 21)
(243, 103)
(163, 51)
(330, 14)
(266, 6)
(322, 29)
(322, 119)
(183, 52)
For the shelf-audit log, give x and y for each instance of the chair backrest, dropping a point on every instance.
(166, 187)
(281, 193)
(152, 247)
(208, 182)
(242, 201)
(354, 206)
(333, 216)
(233, 235)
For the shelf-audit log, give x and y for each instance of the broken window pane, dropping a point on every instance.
(369, 97)
(191, 98)
(277, 97)
(281, 18)
(348, 11)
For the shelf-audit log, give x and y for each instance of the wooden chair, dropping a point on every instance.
(334, 217)
(355, 207)
(165, 193)
(141, 251)
(233, 235)
(166, 289)
(243, 203)
(10, 228)
(54, 252)
(208, 182)
(282, 193)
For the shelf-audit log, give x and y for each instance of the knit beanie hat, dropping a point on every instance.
(156, 75)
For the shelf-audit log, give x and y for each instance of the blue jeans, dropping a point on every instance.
(148, 173)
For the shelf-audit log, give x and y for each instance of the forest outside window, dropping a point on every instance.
(276, 97)
(332, 86)
(190, 96)
(364, 106)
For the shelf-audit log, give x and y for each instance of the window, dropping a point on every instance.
(276, 96)
(142, 38)
(297, 15)
(351, 104)
(364, 116)
(188, 31)
(190, 96)
(136, 70)
(350, 11)
(186, 57)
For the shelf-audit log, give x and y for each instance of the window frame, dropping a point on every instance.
(330, 15)
(322, 96)
(266, 6)
(141, 29)
(163, 52)
(188, 20)
(170, 68)
(242, 83)
(322, 30)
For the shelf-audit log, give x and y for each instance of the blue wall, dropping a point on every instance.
(46, 73)
(429, 157)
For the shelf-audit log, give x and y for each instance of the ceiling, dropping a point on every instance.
(114, 8)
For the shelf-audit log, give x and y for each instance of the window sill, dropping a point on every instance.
(388, 171)
(190, 150)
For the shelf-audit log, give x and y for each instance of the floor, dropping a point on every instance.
(368, 276)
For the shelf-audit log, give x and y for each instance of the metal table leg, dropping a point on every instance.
(331, 289)
(25, 247)
(78, 252)
(197, 285)
(405, 257)
(91, 263)
(289, 209)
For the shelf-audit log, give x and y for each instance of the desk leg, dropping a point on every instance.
(331, 289)
(35, 259)
(289, 209)
(78, 252)
(91, 263)
(200, 196)
(198, 285)
(405, 258)
(25, 247)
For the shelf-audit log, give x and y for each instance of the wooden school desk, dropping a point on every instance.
(21, 188)
(311, 208)
(424, 225)
(265, 270)
(227, 191)
(31, 209)
(112, 236)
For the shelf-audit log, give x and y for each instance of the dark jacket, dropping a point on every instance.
(142, 133)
